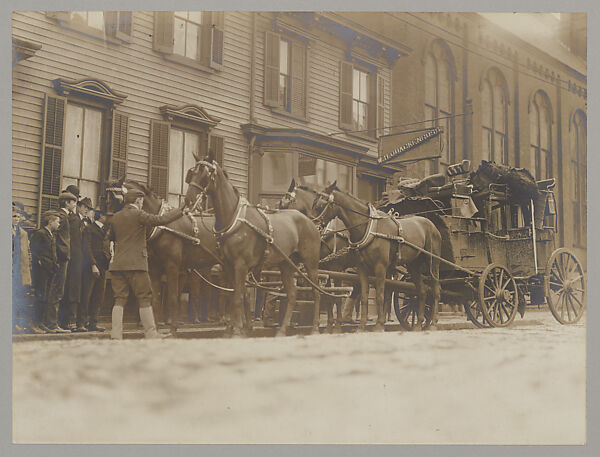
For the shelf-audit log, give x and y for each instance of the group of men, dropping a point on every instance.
(66, 260)
(69, 260)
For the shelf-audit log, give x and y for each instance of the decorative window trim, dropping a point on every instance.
(23, 50)
(189, 116)
(93, 88)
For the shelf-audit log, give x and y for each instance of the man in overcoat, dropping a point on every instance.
(129, 266)
(96, 257)
(67, 202)
(44, 268)
(21, 271)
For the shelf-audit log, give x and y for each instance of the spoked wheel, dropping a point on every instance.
(475, 315)
(564, 286)
(406, 309)
(498, 296)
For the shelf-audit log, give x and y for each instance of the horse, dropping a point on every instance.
(335, 254)
(382, 243)
(187, 243)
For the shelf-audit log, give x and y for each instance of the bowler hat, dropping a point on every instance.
(67, 196)
(73, 189)
(18, 207)
(87, 202)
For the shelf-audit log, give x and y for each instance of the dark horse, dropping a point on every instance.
(335, 254)
(172, 253)
(249, 238)
(374, 235)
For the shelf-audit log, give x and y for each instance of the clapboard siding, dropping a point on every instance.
(137, 71)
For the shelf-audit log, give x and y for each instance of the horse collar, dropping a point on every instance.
(164, 206)
(240, 212)
(369, 235)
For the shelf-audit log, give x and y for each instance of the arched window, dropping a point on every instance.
(540, 133)
(578, 139)
(439, 99)
(494, 125)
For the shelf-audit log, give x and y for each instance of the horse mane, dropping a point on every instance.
(356, 199)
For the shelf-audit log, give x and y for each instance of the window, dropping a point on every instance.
(494, 101)
(578, 138)
(173, 145)
(370, 188)
(85, 140)
(285, 75)
(319, 173)
(111, 26)
(540, 132)
(439, 100)
(193, 38)
(82, 153)
(361, 100)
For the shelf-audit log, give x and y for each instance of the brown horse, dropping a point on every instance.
(250, 239)
(172, 253)
(375, 236)
(334, 252)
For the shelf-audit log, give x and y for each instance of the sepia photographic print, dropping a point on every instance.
(287, 226)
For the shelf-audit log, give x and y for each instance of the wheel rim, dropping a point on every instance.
(565, 287)
(407, 312)
(498, 296)
(475, 314)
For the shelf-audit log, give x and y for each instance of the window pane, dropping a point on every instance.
(430, 81)
(276, 171)
(486, 144)
(191, 41)
(499, 110)
(175, 161)
(355, 115)
(73, 141)
(89, 189)
(283, 57)
(444, 87)
(91, 144)
(544, 129)
(79, 16)
(364, 84)
(486, 105)
(543, 174)
(533, 127)
(181, 14)
(96, 20)
(532, 162)
(499, 148)
(355, 84)
(191, 146)
(195, 16)
(179, 37)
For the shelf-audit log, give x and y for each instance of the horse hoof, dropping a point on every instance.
(379, 328)
(280, 333)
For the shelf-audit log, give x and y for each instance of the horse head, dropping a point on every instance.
(289, 198)
(323, 205)
(201, 179)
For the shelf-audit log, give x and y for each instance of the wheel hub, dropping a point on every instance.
(503, 294)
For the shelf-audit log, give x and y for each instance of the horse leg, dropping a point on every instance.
(313, 274)
(380, 271)
(363, 275)
(417, 277)
(173, 295)
(240, 272)
(435, 285)
(287, 277)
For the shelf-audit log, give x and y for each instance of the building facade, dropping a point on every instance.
(281, 95)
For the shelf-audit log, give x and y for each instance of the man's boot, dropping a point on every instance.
(116, 333)
(147, 317)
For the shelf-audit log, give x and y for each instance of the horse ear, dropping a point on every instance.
(196, 156)
(211, 156)
(330, 187)
(292, 185)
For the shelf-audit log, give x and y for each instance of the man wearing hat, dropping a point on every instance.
(96, 257)
(21, 269)
(129, 266)
(67, 202)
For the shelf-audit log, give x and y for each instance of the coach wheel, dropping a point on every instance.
(564, 286)
(406, 309)
(475, 315)
(498, 296)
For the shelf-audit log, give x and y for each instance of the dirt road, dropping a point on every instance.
(521, 385)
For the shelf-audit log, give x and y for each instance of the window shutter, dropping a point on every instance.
(217, 146)
(118, 158)
(111, 19)
(298, 79)
(271, 69)
(52, 153)
(346, 95)
(380, 106)
(124, 25)
(218, 33)
(163, 31)
(205, 37)
(159, 157)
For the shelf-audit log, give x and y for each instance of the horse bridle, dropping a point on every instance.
(212, 170)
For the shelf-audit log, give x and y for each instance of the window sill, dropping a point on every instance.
(188, 62)
(282, 112)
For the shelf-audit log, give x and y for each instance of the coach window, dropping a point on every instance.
(85, 139)
(494, 109)
(540, 133)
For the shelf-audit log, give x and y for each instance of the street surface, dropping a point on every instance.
(520, 385)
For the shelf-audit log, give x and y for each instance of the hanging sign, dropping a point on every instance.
(419, 147)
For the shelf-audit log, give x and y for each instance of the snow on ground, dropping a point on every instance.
(520, 385)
